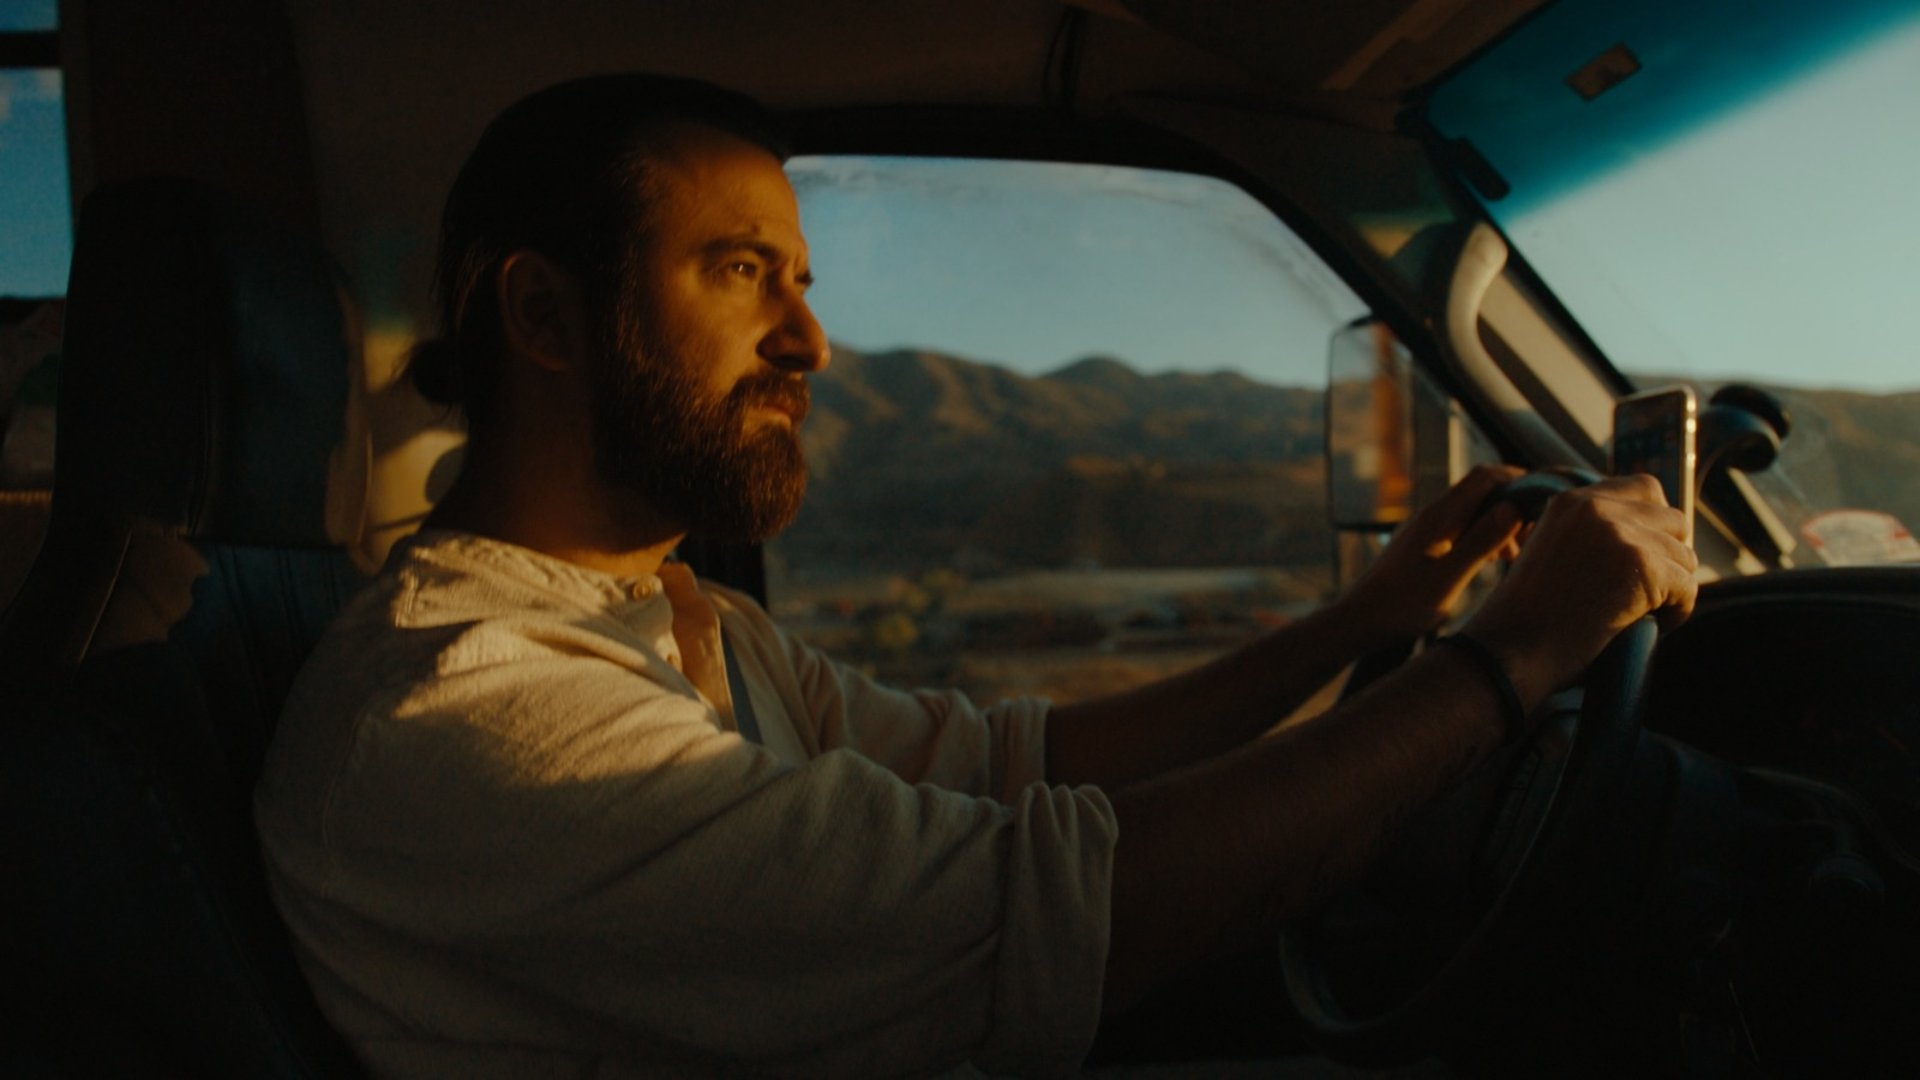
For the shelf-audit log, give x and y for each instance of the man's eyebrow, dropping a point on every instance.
(758, 245)
(752, 242)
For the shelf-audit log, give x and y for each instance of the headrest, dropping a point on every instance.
(203, 383)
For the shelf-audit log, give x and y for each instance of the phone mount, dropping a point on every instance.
(1741, 428)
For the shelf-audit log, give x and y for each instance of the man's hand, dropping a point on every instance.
(1151, 730)
(1260, 833)
(1421, 575)
(1600, 558)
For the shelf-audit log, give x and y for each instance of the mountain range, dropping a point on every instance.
(917, 456)
(920, 460)
(1853, 449)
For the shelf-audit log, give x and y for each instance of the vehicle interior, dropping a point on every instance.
(1150, 321)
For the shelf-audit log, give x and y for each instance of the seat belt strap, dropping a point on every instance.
(743, 717)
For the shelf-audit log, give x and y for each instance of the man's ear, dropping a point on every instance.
(541, 312)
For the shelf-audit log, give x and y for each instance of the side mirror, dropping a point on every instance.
(1369, 418)
(1395, 441)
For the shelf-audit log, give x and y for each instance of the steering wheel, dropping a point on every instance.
(1378, 985)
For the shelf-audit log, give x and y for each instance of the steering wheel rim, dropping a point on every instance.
(1574, 786)
(1559, 781)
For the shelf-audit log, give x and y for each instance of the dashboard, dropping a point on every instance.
(1811, 673)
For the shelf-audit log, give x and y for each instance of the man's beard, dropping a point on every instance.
(659, 432)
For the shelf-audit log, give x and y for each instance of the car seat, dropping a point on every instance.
(188, 568)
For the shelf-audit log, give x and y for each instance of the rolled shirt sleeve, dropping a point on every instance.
(923, 736)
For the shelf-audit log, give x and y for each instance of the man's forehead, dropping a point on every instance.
(712, 182)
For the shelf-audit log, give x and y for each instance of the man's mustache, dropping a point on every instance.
(788, 393)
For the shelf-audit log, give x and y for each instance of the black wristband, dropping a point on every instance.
(1514, 713)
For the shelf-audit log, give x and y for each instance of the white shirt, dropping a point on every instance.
(514, 833)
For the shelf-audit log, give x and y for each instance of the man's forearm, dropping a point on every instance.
(1419, 578)
(1266, 832)
(1263, 833)
(1133, 736)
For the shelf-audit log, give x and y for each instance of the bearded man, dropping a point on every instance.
(544, 804)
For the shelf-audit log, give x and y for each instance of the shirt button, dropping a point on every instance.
(642, 590)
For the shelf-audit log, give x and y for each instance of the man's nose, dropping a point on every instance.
(797, 342)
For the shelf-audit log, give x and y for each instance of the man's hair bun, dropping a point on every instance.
(436, 370)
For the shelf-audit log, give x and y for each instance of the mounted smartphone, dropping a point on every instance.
(1653, 432)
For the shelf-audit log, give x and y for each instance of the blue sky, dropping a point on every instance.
(35, 239)
(29, 14)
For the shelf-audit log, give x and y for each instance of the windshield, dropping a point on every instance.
(1719, 192)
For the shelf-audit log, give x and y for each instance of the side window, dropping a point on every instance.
(1071, 439)
(36, 240)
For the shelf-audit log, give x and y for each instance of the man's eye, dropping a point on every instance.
(744, 268)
